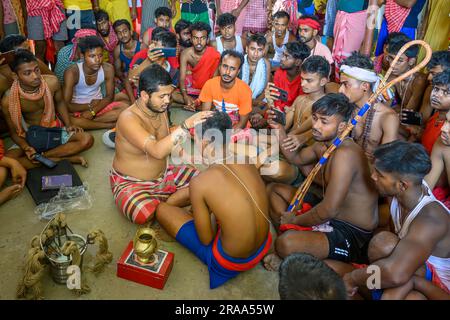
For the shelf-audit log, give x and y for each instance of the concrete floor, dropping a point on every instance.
(189, 277)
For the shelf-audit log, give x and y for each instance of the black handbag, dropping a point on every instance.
(43, 139)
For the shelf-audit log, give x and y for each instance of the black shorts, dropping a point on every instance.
(347, 242)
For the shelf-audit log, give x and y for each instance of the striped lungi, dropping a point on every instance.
(138, 199)
(256, 16)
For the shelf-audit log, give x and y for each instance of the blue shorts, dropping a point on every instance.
(377, 293)
(218, 275)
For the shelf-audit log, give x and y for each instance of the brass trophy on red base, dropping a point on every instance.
(143, 262)
(145, 245)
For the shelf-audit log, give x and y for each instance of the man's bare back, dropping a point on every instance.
(129, 158)
(243, 227)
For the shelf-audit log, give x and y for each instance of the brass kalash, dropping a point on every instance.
(144, 262)
(60, 248)
(145, 245)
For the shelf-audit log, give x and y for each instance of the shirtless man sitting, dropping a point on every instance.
(141, 176)
(35, 100)
(422, 224)
(243, 233)
(198, 64)
(349, 202)
(82, 88)
(380, 123)
(13, 42)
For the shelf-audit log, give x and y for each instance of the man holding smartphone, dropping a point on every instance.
(162, 51)
(287, 77)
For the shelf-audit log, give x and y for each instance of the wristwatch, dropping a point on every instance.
(91, 110)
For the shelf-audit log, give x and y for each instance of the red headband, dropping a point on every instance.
(309, 22)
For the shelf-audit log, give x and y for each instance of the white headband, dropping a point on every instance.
(359, 73)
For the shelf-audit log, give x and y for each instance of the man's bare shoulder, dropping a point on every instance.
(441, 149)
(108, 67)
(435, 215)
(52, 82)
(187, 53)
(128, 118)
(384, 111)
(72, 70)
(299, 102)
(349, 152)
(206, 180)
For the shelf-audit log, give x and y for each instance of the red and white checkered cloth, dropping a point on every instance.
(256, 16)
(395, 15)
(52, 13)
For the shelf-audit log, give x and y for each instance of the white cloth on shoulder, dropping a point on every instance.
(259, 78)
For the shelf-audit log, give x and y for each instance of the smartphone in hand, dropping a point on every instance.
(168, 52)
(283, 96)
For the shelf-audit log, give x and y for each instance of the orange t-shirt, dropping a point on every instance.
(237, 101)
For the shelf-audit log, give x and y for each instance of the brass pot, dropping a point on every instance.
(145, 244)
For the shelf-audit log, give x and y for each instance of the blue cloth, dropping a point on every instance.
(127, 60)
(218, 275)
(330, 17)
(382, 36)
(412, 20)
(305, 7)
(274, 64)
(377, 293)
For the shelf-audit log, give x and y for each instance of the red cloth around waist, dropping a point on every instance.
(240, 266)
